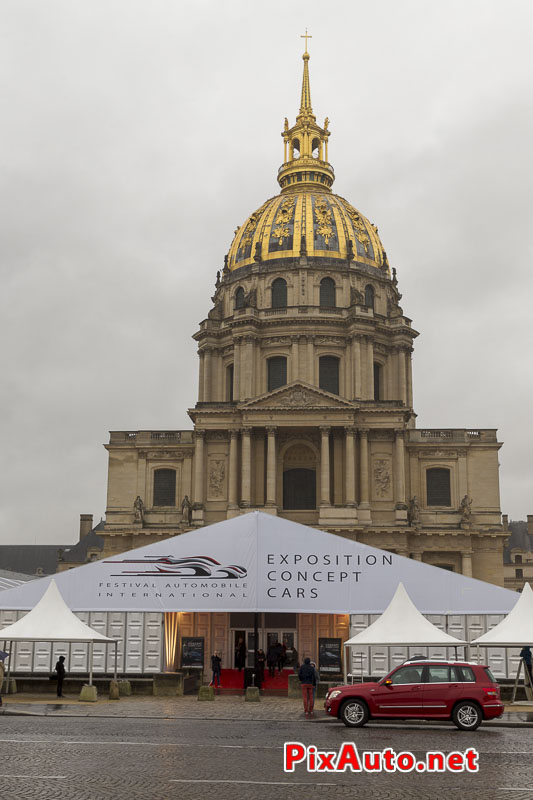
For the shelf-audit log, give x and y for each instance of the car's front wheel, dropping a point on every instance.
(467, 716)
(354, 713)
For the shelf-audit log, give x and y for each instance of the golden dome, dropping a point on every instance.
(306, 219)
(316, 224)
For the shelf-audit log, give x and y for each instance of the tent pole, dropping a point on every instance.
(116, 659)
(515, 687)
(91, 645)
(9, 667)
(346, 651)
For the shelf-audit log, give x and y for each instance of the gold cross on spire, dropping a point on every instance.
(306, 36)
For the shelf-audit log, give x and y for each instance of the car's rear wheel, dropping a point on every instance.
(467, 716)
(354, 713)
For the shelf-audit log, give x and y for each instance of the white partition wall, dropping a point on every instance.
(140, 649)
(459, 625)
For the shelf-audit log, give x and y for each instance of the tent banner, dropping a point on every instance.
(259, 562)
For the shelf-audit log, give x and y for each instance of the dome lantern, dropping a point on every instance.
(305, 145)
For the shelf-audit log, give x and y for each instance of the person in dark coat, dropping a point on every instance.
(280, 654)
(306, 675)
(525, 653)
(240, 654)
(216, 661)
(60, 669)
(260, 660)
(272, 657)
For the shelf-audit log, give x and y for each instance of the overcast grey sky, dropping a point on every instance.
(136, 136)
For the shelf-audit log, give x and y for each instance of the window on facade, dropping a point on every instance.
(327, 293)
(299, 488)
(328, 374)
(377, 382)
(277, 372)
(519, 573)
(165, 487)
(279, 293)
(518, 559)
(229, 383)
(438, 486)
(239, 298)
(369, 296)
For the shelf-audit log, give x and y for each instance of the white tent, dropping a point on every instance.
(516, 629)
(51, 620)
(402, 624)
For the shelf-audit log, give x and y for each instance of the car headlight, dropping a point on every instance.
(334, 693)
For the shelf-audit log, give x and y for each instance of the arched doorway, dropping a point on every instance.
(299, 478)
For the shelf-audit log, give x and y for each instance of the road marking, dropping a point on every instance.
(37, 777)
(144, 744)
(254, 783)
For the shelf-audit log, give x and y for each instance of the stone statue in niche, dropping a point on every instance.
(138, 510)
(381, 477)
(217, 473)
(356, 297)
(466, 508)
(413, 514)
(250, 299)
(186, 510)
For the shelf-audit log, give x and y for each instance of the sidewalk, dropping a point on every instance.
(223, 708)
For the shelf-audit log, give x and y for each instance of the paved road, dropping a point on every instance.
(154, 759)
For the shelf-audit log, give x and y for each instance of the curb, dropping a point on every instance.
(320, 721)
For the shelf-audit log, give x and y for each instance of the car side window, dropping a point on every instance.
(468, 675)
(439, 675)
(455, 675)
(409, 674)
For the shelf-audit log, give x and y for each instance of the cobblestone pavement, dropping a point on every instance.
(188, 707)
(90, 758)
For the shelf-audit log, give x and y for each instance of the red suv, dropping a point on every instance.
(421, 689)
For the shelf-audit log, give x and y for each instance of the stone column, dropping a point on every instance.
(200, 375)
(466, 563)
(221, 378)
(399, 482)
(207, 375)
(324, 467)
(402, 384)
(363, 466)
(370, 369)
(271, 467)
(409, 378)
(232, 482)
(348, 370)
(247, 369)
(295, 367)
(350, 467)
(389, 380)
(357, 368)
(246, 467)
(310, 360)
(237, 370)
(199, 469)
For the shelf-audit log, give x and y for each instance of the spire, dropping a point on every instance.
(305, 160)
(305, 104)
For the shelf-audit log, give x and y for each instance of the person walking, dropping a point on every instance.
(216, 661)
(306, 675)
(316, 681)
(525, 653)
(60, 669)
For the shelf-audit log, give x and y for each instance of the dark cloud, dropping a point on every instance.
(136, 137)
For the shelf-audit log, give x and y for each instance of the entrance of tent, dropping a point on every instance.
(267, 638)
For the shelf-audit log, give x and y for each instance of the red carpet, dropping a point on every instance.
(233, 681)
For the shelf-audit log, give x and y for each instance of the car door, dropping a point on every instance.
(441, 690)
(400, 694)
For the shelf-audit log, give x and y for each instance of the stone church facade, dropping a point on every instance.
(305, 396)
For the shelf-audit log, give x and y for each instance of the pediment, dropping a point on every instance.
(297, 395)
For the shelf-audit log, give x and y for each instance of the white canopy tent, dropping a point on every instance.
(515, 630)
(51, 620)
(402, 624)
